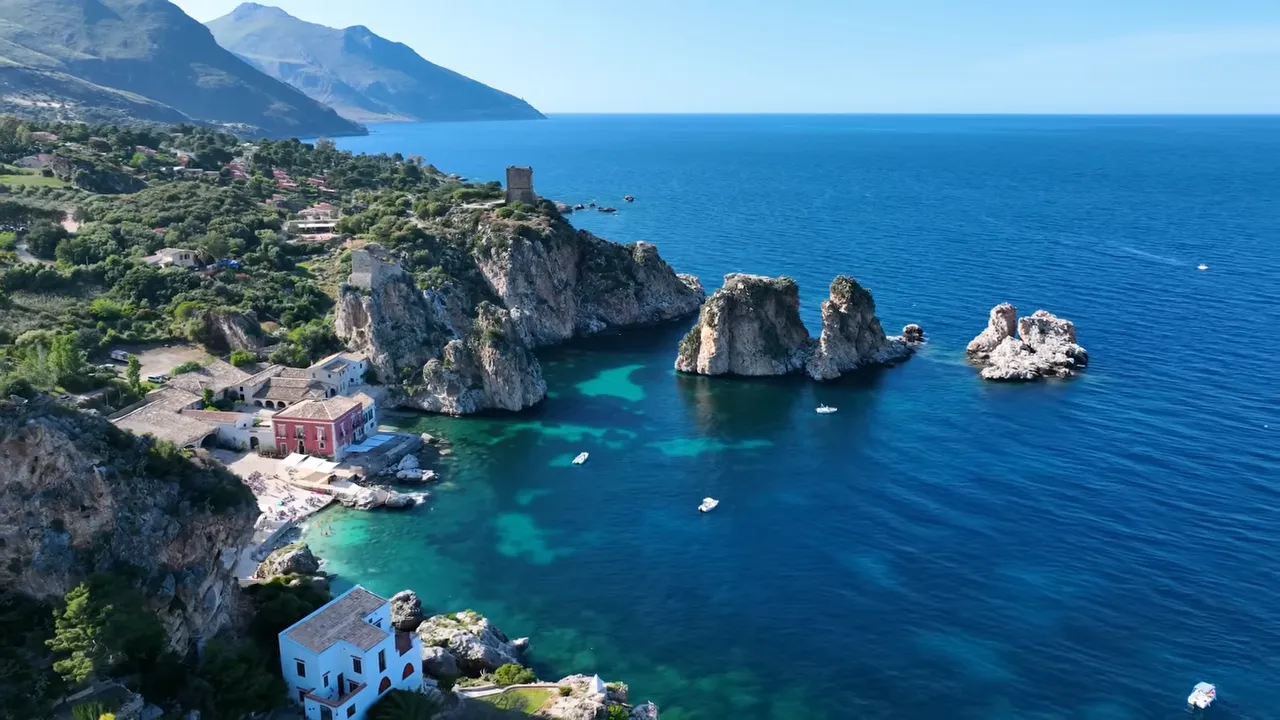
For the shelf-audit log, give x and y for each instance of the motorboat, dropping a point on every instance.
(826, 409)
(1202, 695)
(582, 457)
(708, 504)
(1202, 266)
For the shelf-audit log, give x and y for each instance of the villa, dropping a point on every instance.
(179, 257)
(339, 660)
(325, 428)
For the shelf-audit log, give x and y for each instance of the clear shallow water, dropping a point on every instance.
(939, 547)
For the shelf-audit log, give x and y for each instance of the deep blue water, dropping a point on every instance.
(941, 547)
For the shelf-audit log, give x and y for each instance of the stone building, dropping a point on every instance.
(370, 266)
(520, 185)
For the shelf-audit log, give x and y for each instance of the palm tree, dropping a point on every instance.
(406, 705)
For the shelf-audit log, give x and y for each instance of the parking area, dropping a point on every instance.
(161, 359)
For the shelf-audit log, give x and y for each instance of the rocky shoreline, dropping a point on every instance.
(751, 326)
(1044, 346)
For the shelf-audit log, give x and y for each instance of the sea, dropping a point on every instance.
(941, 547)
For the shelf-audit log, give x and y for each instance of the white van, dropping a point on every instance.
(120, 356)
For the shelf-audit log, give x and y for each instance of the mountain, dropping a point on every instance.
(364, 77)
(144, 59)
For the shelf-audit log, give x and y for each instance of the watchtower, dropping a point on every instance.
(370, 266)
(520, 185)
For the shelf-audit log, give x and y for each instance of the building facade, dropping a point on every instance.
(325, 428)
(339, 660)
(520, 185)
(341, 371)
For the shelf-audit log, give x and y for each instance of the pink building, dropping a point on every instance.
(325, 428)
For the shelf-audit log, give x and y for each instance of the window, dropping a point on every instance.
(302, 668)
(325, 713)
(325, 679)
(299, 432)
(351, 711)
(357, 666)
(382, 659)
(282, 430)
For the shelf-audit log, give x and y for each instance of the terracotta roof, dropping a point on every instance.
(365, 400)
(215, 416)
(342, 620)
(330, 409)
(290, 389)
(162, 418)
(217, 375)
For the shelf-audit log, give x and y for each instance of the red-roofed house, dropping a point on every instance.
(320, 427)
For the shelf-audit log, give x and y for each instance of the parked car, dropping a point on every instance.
(157, 379)
(120, 356)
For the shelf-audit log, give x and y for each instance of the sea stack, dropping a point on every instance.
(750, 326)
(1045, 346)
(852, 336)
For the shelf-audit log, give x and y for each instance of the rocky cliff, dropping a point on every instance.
(465, 344)
(79, 496)
(1045, 346)
(752, 326)
(851, 333)
(225, 330)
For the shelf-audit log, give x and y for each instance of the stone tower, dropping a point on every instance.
(370, 266)
(520, 185)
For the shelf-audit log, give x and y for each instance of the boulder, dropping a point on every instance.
(750, 326)
(226, 330)
(913, 334)
(473, 641)
(1045, 346)
(408, 462)
(521, 644)
(406, 611)
(295, 559)
(439, 662)
(645, 711)
(851, 333)
(583, 702)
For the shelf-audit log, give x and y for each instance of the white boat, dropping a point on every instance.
(708, 504)
(1202, 266)
(826, 409)
(582, 457)
(1202, 695)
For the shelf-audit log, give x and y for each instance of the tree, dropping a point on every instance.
(240, 358)
(66, 360)
(513, 674)
(89, 711)
(234, 681)
(207, 397)
(43, 239)
(406, 705)
(276, 606)
(133, 374)
(103, 626)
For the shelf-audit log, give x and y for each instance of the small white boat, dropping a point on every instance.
(1202, 266)
(1202, 695)
(826, 409)
(582, 457)
(708, 504)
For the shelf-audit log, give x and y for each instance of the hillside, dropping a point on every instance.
(364, 77)
(133, 58)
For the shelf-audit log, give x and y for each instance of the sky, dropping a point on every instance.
(839, 56)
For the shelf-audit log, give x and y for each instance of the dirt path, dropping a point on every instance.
(69, 223)
(25, 255)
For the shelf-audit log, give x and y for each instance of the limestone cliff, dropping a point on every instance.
(561, 283)
(750, 326)
(392, 322)
(492, 367)
(79, 496)
(851, 333)
(226, 330)
(1045, 346)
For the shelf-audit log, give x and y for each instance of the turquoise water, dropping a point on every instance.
(940, 547)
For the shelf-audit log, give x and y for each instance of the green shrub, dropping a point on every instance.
(240, 358)
(186, 367)
(565, 691)
(617, 712)
(88, 711)
(513, 674)
(504, 212)
(405, 705)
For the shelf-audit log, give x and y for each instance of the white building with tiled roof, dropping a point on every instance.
(339, 660)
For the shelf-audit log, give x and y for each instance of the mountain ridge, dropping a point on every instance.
(72, 56)
(362, 75)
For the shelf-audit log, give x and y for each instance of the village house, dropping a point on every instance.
(320, 427)
(342, 371)
(218, 376)
(339, 660)
(173, 257)
(177, 416)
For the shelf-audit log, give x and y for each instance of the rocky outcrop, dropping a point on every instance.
(226, 330)
(750, 326)
(295, 559)
(474, 643)
(582, 700)
(87, 176)
(851, 333)
(439, 663)
(561, 283)
(406, 611)
(370, 498)
(1045, 346)
(492, 368)
(77, 496)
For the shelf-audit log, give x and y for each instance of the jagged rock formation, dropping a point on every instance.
(474, 643)
(585, 702)
(491, 368)
(406, 611)
(295, 559)
(78, 495)
(87, 176)
(1045, 346)
(752, 326)
(467, 344)
(226, 330)
(562, 283)
(851, 334)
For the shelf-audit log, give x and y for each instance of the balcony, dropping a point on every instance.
(404, 642)
(352, 688)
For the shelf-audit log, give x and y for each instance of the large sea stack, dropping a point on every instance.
(1045, 346)
(751, 326)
